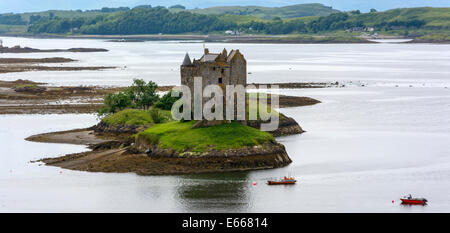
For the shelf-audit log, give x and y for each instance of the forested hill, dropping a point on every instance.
(136, 21)
(176, 19)
(161, 20)
(294, 11)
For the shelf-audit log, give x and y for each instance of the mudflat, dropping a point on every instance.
(77, 137)
(28, 97)
(18, 49)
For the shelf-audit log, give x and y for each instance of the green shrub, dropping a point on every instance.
(140, 95)
(156, 116)
(115, 102)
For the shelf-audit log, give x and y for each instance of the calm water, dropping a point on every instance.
(367, 144)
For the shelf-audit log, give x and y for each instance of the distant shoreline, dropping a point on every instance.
(257, 39)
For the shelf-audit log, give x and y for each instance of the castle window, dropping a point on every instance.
(222, 71)
(214, 68)
(220, 80)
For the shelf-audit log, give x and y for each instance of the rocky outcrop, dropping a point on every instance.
(287, 126)
(144, 158)
(30, 89)
(142, 145)
(120, 160)
(103, 127)
(269, 155)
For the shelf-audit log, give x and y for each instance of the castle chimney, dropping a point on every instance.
(206, 51)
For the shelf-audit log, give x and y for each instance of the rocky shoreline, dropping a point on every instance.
(28, 97)
(120, 153)
(116, 149)
(121, 161)
(10, 65)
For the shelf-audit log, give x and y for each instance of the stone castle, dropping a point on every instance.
(215, 68)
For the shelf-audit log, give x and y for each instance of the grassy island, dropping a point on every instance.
(180, 137)
(129, 139)
(136, 117)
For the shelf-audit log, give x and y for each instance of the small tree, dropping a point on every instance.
(140, 95)
(115, 102)
(166, 102)
(143, 94)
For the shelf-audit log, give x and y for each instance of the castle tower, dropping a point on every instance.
(215, 68)
(187, 60)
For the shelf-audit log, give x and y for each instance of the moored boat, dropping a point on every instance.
(285, 180)
(409, 200)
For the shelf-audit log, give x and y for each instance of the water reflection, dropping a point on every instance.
(218, 192)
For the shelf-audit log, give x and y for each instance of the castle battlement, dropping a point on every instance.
(215, 68)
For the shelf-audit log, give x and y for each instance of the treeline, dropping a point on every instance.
(11, 19)
(153, 20)
(333, 22)
(110, 9)
(136, 21)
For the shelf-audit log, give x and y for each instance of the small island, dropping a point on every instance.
(16, 64)
(131, 141)
(19, 49)
(137, 132)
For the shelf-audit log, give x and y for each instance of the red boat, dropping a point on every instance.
(409, 200)
(285, 180)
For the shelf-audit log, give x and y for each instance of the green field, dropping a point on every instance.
(17, 29)
(239, 19)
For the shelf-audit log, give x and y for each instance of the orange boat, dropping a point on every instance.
(285, 180)
(409, 200)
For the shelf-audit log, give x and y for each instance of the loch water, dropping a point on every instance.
(385, 134)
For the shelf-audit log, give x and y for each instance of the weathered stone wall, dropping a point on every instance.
(232, 72)
(238, 74)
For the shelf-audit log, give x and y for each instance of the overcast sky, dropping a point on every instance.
(18, 6)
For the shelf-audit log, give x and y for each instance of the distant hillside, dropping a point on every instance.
(431, 17)
(412, 22)
(299, 10)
